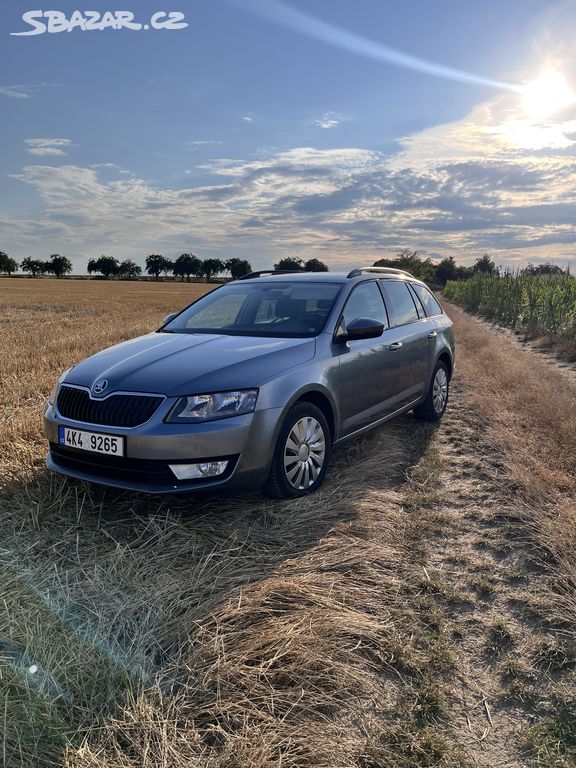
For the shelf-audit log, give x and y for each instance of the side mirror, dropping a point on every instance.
(169, 317)
(361, 328)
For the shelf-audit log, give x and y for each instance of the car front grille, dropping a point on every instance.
(114, 411)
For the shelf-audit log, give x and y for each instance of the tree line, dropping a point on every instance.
(189, 266)
(56, 265)
(438, 274)
(184, 267)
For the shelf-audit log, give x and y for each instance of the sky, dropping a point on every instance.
(333, 129)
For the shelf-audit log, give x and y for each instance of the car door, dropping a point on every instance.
(408, 342)
(362, 372)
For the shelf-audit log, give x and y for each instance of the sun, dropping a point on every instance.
(547, 94)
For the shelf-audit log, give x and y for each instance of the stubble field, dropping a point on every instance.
(418, 611)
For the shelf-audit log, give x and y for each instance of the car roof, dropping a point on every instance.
(315, 277)
(328, 277)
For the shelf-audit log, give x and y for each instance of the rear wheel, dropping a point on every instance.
(301, 454)
(432, 409)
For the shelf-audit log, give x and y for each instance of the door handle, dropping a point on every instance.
(432, 334)
(395, 346)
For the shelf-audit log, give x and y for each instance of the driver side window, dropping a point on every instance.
(365, 301)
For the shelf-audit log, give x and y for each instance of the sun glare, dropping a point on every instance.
(547, 94)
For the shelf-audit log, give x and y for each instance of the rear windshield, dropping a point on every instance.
(285, 310)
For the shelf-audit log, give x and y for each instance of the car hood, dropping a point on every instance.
(183, 364)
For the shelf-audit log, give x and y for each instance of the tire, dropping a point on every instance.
(432, 409)
(295, 474)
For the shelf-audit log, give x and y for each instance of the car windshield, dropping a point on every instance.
(285, 310)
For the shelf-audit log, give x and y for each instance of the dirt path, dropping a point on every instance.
(537, 349)
(493, 591)
(474, 560)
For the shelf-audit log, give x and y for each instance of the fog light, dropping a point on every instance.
(199, 471)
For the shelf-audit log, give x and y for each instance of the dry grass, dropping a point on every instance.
(529, 411)
(229, 631)
(234, 632)
(47, 325)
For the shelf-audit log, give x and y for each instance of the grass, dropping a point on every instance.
(227, 631)
(501, 637)
(484, 585)
(399, 747)
(235, 632)
(552, 743)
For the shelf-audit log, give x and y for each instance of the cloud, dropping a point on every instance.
(48, 147)
(458, 189)
(328, 120)
(193, 145)
(111, 167)
(247, 119)
(24, 91)
(15, 91)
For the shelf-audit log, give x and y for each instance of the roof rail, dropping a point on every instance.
(381, 270)
(270, 272)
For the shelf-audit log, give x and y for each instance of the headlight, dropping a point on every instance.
(54, 392)
(197, 408)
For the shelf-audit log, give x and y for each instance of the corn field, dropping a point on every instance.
(535, 305)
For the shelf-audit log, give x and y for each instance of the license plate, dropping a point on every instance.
(94, 442)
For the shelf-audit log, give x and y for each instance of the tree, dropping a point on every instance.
(211, 267)
(58, 265)
(106, 265)
(129, 270)
(315, 265)
(238, 268)
(290, 264)
(446, 270)
(7, 265)
(544, 269)
(412, 262)
(34, 266)
(155, 264)
(463, 273)
(187, 264)
(485, 266)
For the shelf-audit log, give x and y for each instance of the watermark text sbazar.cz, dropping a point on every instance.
(41, 22)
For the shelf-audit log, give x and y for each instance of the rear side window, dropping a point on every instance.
(400, 302)
(429, 302)
(365, 302)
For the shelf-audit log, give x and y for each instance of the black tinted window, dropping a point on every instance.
(400, 302)
(365, 301)
(430, 304)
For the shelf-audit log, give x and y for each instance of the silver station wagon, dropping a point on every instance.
(253, 385)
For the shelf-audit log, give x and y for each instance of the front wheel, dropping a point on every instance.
(432, 409)
(301, 455)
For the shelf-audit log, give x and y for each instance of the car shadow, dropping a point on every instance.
(105, 587)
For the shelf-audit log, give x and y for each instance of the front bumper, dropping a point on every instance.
(247, 442)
